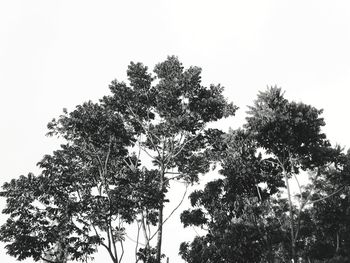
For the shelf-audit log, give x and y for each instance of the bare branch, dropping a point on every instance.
(172, 178)
(172, 212)
(323, 198)
(137, 239)
(258, 190)
(144, 149)
(147, 239)
(182, 199)
(122, 254)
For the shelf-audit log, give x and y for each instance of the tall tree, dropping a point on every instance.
(85, 193)
(122, 189)
(235, 208)
(244, 213)
(98, 184)
(291, 133)
(169, 119)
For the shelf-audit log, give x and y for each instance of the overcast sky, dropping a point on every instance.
(56, 54)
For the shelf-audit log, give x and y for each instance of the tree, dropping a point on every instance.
(30, 228)
(85, 192)
(330, 213)
(99, 185)
(244, 213)
(169, 121)
(235, 209)
(291, 133)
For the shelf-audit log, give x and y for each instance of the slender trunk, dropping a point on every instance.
(111, 254)
(114, 246)
(160, 233)
(338, 243)
(147, 247)
(291, 217)
(144, 231)
(160, 219)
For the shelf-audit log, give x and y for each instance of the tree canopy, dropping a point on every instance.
(248, 215)
(102, 179)
(120, 154)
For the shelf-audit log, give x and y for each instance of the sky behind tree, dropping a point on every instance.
(56, 54)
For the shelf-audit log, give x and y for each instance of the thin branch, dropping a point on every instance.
(98, 157)
(137, 240)
(133, 240)
(144, 149)
(132, 168)
(113, 240)
(139, 153)
(174, 177)
(147, 239)
(301, 206)
(47, 260)
(148, 133)
(195, 230)
(296, 179)
(285, 173)
(109, 251)
(109, 238)
(171, 172)
(149, 229)
(108, 153)
(122, 254)
(104, 245)
(172, 212)
(185, 143)
(258, 190)
(182, 199)
(323, 198)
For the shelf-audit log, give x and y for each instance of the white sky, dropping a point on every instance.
(56, 54)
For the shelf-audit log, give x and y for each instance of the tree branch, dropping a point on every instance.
(108, 153)
(122, 254)
(323, 198)
(47, 260)
(110, 229)
(184, 144)
(147, 132)
(172, 212)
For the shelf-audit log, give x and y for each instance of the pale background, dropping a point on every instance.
(56, 54)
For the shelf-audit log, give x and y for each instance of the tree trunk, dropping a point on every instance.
(160, 233)
(291, 217)
(160, 219)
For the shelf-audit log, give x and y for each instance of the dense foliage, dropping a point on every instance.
(248, 214)
(116, 166)
(120, 155)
